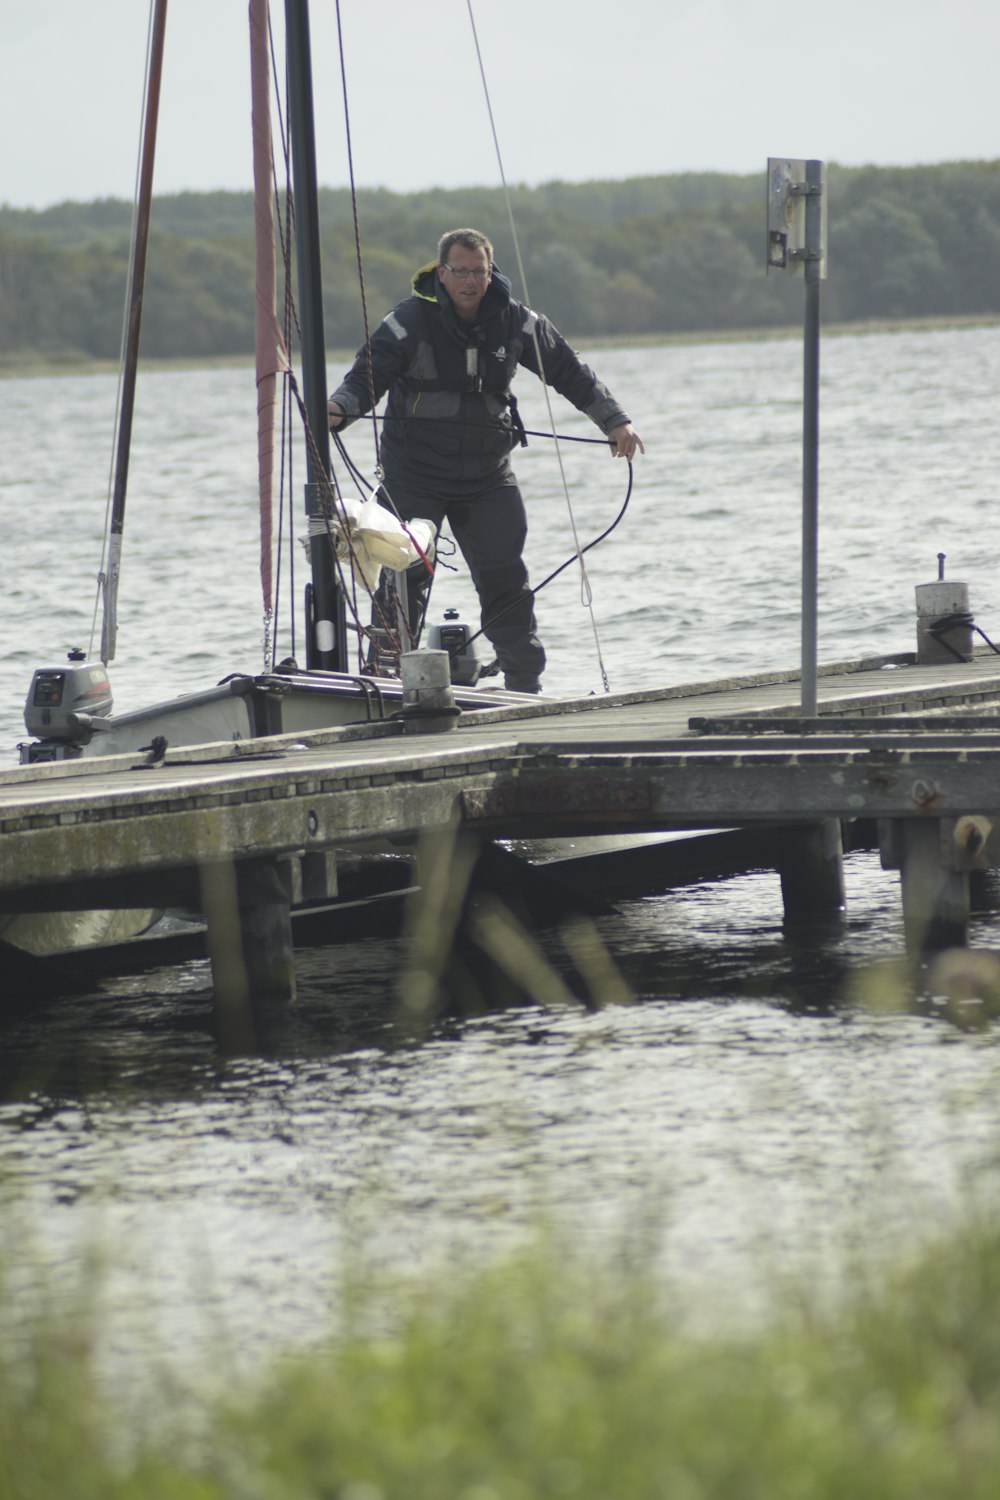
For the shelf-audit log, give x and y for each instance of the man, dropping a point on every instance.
(447, 355)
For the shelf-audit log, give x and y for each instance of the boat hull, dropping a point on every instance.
(245, 707)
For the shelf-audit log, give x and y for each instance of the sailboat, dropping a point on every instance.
(70, 710)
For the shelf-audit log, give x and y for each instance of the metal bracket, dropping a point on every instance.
(796, 193)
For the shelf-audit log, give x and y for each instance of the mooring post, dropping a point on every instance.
(249, 937)
(811, 867)
(263, 892)
(230, 989)
(944, 620)
(428, 698)
(936, 902)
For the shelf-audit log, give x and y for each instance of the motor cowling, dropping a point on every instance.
(454, 637)
(64, 701)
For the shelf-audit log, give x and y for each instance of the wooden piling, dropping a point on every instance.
(811, 868)
(936, 902)
(263, 894)
(230, 988)
(249, 940)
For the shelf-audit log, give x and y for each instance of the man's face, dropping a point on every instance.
(465, 278)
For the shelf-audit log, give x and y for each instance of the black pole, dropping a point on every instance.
(130, 365)
(326, 630)
(810, 434)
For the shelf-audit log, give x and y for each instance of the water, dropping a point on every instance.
(747, 1118)
(701, 577)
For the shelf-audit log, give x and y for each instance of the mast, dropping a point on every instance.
(136, 282)
(326, 632)
(270, 355)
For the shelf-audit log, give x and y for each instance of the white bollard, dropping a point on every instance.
(428, 700)
(943, 620)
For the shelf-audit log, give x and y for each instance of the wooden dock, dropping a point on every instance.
(912, 749)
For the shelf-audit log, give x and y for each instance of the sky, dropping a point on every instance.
(580, 89)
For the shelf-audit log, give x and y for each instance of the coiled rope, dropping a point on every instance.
(960, 620)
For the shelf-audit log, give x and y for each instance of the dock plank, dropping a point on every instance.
(626, 762)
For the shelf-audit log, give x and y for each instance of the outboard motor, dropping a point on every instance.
(455, 637)
(65, 707)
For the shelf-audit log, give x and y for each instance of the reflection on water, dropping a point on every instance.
(741, 1118)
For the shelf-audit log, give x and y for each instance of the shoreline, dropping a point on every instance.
(27, 367)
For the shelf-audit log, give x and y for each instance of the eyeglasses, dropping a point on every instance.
(462, 273)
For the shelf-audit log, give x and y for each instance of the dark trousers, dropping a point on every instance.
(490, 531)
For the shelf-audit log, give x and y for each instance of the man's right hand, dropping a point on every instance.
(335, 414)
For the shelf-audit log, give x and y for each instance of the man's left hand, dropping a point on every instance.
(624, 441)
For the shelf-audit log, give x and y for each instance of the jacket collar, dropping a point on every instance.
(425, 284)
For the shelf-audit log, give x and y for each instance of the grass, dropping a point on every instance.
(546, 1377)
(549, 1375)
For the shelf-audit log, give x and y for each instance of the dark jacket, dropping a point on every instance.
(449, 420)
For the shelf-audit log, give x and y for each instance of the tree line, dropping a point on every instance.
(649, 255)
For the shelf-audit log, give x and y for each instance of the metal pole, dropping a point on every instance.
(810, 433)
(326, 626)
(136, 287)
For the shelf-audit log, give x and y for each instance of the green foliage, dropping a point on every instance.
(654, 255)
(550, 1376)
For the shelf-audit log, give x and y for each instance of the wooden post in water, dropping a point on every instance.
(230, 990)
(811, 867)
(263, 893)
(249, 937)
(936, 900)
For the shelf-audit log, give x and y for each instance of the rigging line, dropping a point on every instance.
(367, 491)
(286, 228)
(101, 577)
(586, 595)
(287, 405)
(331, 500)
(331, 507)
(280, 528)
(562, 566)
(362, 485)
(557, 437)
(329, 489)
(357, 230)
(284, 222)
(328, 486)
(352, 468)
